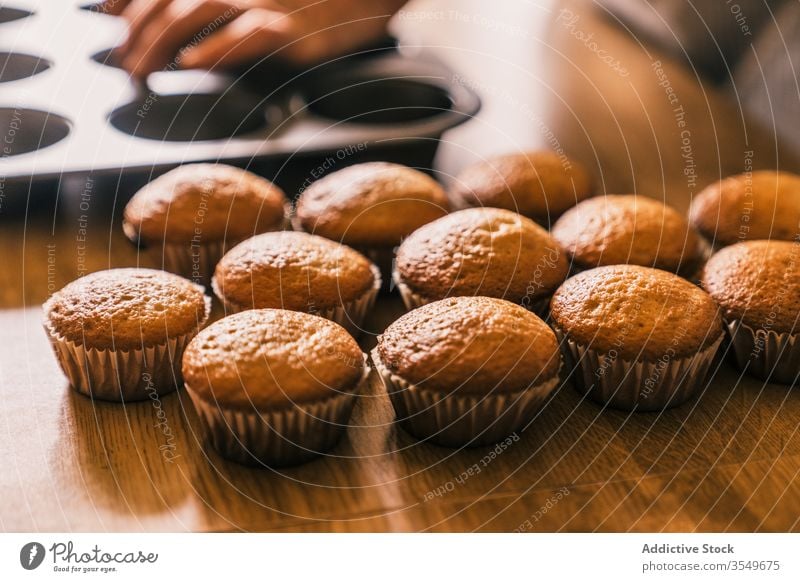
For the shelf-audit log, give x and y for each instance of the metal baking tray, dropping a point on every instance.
(68, 114)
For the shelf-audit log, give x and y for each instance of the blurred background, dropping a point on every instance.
(659, 97)
(542, 71)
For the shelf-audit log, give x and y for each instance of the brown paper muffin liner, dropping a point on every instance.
(280, 437)
(637, 384)
(454, 420)
(193, 262)
(765, 354)
(413, 300)
(196, 263)
(350, 316)
(123, 375)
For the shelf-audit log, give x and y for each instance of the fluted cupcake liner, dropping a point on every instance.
(350, 316)
(195, 262)
(638, 384)
(765, 354)
(413, 300)
(279, 437)
(123, 375)
(456, 420)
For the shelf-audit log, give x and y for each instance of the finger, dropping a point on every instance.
(256, 33)
(138, 14)
(112, 7)
(178, 24)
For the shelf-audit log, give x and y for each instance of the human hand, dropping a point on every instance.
(222, 33)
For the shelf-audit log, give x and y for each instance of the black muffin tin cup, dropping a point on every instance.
(69, 113)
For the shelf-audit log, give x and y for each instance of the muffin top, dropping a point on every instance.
(474, 345)
(760, 205)
(540, 184)
(636, 312)
(629, 229)
(124, 309)
(271, 358)
(372, 204)
(203, 203)
(757, 282)
(482, 251)
(292, 270)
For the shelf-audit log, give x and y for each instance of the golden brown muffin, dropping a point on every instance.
(119, 335)
(482, 251)
(757, 285)
(628, 229)
(200, 203)
(375, 204)
(636, 312)
(757, 282)
(274, 387)
(124, 309)
(470, 345)
(468, 371)
(539, 184)
(760, 205)
(271, 358)
(292, 270)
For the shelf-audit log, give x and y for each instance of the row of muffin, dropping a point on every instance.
(373, 207)
(376, 206)
(616, 323)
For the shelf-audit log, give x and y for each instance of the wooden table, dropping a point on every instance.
(726, 461)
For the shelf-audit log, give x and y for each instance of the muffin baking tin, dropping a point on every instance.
(68, 112)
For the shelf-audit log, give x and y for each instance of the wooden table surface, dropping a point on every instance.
(727, 461)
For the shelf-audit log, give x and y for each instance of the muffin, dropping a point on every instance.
(273, 387)
(299, 272)
(119, 334)
(188, 217)
(467, 371)
(371, 207)
(757, 205)
(636, 337)
(540, 185)
(480, 251)
(757, 286)
(629, 229)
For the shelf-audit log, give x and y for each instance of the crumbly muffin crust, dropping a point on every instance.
(292, 270)
(374, 204)
(482, 251)
(636, 312)
(203, 203)
(124, 309)
(761, 205)
(758, 283)
(627, 229)
(538, 184)
(271, 358)
(473, 345)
